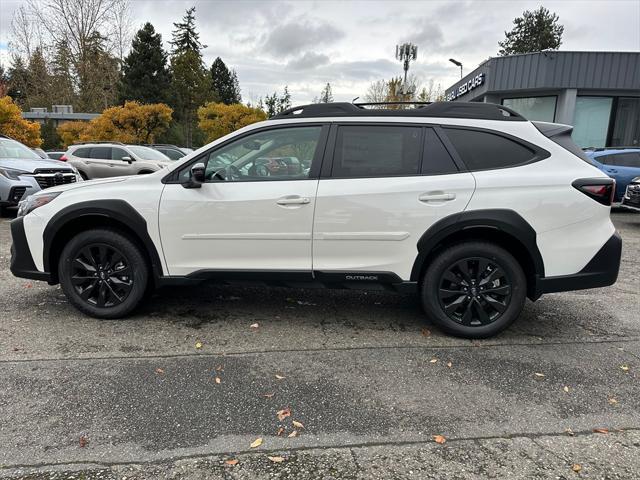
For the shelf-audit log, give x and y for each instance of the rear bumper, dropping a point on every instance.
(601, 271)
(22, 264)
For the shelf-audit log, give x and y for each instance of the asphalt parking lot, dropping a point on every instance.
(186, 386)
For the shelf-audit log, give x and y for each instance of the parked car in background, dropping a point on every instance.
(55, 154)
(631, 199)
(621, 164)
(23, 172)
(171, 151)
(468, 205)
(112, 159)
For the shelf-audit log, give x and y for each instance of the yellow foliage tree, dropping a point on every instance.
(13, 125)
(217, 119)
(131, 123)
(73, 132)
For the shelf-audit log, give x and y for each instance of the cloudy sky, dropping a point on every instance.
(350, 44)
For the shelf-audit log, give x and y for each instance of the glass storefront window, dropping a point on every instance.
(541, 109)
(591, 121)
(626, 126)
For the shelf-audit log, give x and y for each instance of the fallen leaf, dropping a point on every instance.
(297, 424)
(198, 345)
(566, 389)
(276, 459)
(279, 377)
(83, 441)
(426, 332)
(576, 467)
(268, 395)
(449, 364)
(439, 439)
(601, 430)
(569, 432)
(28, 285)
(159, 371)
(256, 443)
(293, 434)
(537, 374)
(232, 461)
(254, 325)
(284, 413)
(218, 380)
(433, 360)
(219, 368)
(612, 401)
(625, 367)
(280, 431)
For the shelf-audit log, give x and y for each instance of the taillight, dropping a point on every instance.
(63, 158)
(600, 189)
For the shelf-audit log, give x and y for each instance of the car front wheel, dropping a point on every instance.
(474, 289)
(103, 273)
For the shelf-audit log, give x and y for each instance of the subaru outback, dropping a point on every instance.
(469, 205)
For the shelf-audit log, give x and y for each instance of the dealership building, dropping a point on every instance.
(596, 92)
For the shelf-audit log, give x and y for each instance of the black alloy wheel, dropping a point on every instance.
(474, 291)
(101, 275)
(104, 273)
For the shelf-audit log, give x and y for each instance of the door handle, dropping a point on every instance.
(437, 197)
(293, 200)
(612, 170)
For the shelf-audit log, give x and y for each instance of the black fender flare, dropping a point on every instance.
(118, 210)
(502, 220)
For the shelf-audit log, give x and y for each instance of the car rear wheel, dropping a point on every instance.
(103, 273)
(474, 289)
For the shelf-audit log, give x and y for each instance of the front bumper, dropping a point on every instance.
(601, 271)
(22, 264)
(631, 199)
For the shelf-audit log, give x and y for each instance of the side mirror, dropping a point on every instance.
(196, 178)
(127, 159)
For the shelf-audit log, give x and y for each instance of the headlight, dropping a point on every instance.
(11, 173)
(35, 201)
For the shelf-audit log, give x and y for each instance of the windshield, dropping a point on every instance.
(147, 153)
(12, 149)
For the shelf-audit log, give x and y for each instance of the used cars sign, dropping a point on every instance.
(466, 87)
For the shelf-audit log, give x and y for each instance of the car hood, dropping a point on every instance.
(86, 183)
(27, 165)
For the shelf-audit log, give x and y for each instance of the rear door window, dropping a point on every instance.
(376, 150)
(103, 153)
(82, 152)
(481, 150)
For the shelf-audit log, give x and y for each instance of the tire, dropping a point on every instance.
(476, 312)
(103, 273)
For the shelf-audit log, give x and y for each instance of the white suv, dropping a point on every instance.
(113, 159)
(469, 205)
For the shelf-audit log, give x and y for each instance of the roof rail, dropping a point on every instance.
(476, 110)
(602, 149)
(98, 142)
(159, 145)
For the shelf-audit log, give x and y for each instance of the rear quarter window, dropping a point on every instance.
(480, 150)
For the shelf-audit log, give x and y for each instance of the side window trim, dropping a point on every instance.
(314, 172)
(327, 166)
(450, 148)
(539, 152)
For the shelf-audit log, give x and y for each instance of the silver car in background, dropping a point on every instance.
(23, 172)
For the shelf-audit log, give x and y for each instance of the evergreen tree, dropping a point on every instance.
(18, 81)
(4, 82)
(146, 76)
(185, 37)
(225, 83)
(62, 81)
(275, 104)
(50, 138)
(191, 82)
(98, 76)
(326, 96)
(533, 32)
(38, 81)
